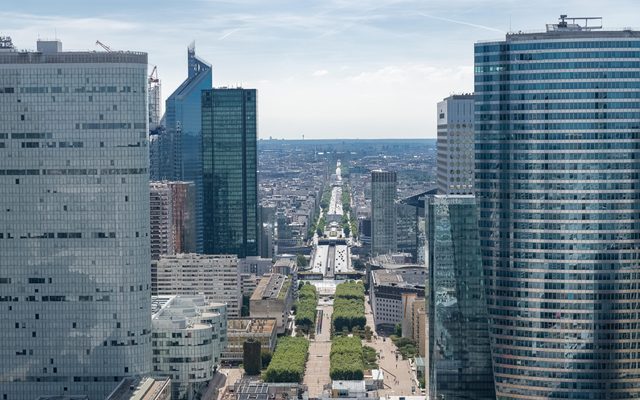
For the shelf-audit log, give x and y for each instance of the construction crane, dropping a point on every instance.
(153, 76)
(104, 46)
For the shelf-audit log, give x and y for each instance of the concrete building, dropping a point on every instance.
(173, 219)
(414, 323)
(230, 165)
(255, 265)
(216, 277)
(273, 298)
(161, 224)
(383, 212)
(189, 334)
(456, 153)
(387, 288)
(263, 330)
(145, 388)
(74, 271)
(556, 183)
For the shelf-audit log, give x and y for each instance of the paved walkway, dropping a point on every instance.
(317, 370)
(398, 377)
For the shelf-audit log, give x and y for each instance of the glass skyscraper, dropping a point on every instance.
(182, 153)
(384, 235)
(229, 154)
(458, 351)
(557, 168)
(74, 239)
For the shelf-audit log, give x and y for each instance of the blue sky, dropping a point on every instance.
(325, 68)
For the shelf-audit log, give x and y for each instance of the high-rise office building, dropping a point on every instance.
(173, 225)
(455, 165)
(383, 212)
(458, 351)
(557, 137)
(229, 154)
(74, 271)
(181, 148)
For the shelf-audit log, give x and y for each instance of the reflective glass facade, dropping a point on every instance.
(459, 355)
(557, 129)
(182, 146)
(229, 154)
(384, 235)
(74, 231)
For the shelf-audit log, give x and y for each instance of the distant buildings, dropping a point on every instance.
(556, 179)
(263, 330)
(173, 218)
(458, 355)
(215, 276)
(75, 221)
(189, 334)
(383, 212)
(386, 292)
(456, 152)
(229, 154)
(181, 145)
(273, 298)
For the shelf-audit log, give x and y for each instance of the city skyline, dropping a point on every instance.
(377, 61)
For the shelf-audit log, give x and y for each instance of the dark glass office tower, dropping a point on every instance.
(181, 145)
(458, 351)
(557, 179)
(229, 155)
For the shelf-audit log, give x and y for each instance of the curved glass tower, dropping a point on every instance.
(557, 168)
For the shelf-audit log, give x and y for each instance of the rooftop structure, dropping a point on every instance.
(272, 298)
(263, 330)
(145, 388)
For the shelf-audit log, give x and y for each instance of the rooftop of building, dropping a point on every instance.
(573, 28)
(50, 52)
(181, 257)
(182, 311)
(251, 325)
(136, 388)
(271, 286)
(404, 278)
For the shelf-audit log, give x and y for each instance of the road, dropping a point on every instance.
(317, 370)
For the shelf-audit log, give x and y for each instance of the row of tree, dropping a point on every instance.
(348, 307)
(347, 362)
(288, 361)
(306, 307)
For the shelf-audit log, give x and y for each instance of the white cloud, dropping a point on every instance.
(319, 73)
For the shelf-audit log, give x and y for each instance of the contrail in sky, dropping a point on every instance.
(462, 23)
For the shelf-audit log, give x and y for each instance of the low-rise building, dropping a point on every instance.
(240, 330)
(188, 335)
(386, 291)
(215, 276)
(272, 298)
(145, 388)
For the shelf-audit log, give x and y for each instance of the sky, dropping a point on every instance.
(363, 69)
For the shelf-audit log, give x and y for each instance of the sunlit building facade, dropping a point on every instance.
(74, 239)
(557, 144)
